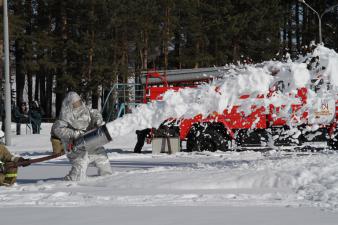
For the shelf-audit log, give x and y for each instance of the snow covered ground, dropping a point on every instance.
(186, 188)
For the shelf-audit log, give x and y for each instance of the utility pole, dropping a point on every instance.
(7, 84)
(320, 17)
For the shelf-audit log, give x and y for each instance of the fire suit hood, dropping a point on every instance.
(78, 118)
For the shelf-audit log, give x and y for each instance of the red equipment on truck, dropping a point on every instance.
(158, 82)
(263, 126)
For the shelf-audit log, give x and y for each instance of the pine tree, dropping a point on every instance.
(46, 46)
(85, 45)
(253, 28)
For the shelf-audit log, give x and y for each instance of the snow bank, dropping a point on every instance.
(224, 93)
(203, 179)
(320, 184)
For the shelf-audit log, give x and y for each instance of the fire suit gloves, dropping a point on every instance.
(96, 117)
(78, 133)
(24, 162)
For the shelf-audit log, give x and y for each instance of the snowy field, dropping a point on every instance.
(186, 188)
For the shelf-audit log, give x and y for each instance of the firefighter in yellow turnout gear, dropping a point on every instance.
(8, 174)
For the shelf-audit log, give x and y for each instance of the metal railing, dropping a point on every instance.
(121, 99)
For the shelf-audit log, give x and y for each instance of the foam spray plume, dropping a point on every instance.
(223, 94)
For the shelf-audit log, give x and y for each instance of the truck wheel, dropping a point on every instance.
(284, 138)
(219, 138)
(199, 140)
(211, 138)
(333, 142)
(193, 139)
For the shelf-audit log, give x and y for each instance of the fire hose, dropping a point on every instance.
(31, 161)
(90, 140)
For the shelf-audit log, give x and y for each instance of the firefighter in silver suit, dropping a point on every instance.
(74, 120)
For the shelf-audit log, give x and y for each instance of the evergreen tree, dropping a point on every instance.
(86, 45)
(253, 28)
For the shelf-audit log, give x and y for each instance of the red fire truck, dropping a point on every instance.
(263, 126)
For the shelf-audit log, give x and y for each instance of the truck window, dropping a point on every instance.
(279, 86)
(316, 84)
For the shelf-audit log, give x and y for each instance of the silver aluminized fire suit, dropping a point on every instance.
(74, 121)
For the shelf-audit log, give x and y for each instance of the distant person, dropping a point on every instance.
(35, 116)
(141, 137)
(8, 174)
(20, 115)
(74, 120)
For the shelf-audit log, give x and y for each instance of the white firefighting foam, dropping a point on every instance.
(237, 81)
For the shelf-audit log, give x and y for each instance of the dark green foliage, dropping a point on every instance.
(82, 45)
